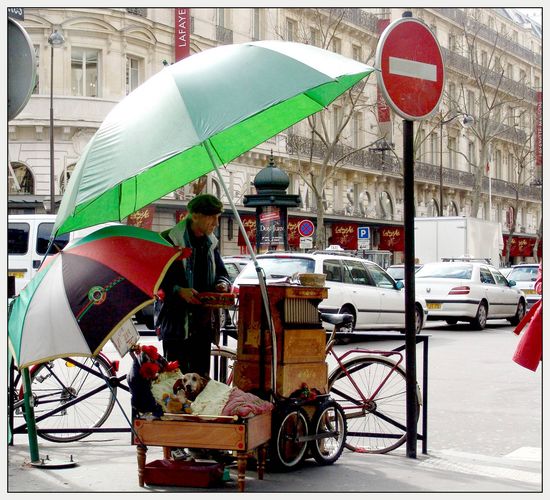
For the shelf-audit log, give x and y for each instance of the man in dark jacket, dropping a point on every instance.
(185, 327)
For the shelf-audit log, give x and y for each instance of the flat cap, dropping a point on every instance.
(205, 204)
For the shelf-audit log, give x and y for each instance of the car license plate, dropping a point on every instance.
(433, 305)
(16, 274)
(529, 292)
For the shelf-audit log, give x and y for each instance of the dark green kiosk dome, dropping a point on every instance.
(271, 179)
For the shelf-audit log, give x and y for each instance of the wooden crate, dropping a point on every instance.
(289, 376)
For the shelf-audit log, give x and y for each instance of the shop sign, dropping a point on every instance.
(522, 246)
(182, 31)
(142, 218)
(249, 223)
(345, 235)
(392, 238)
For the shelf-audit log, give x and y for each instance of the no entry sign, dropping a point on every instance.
(411, 74)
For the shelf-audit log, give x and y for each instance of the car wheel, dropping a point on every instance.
(347, 328)
(520, 313)
(418, 319)
(480, 320)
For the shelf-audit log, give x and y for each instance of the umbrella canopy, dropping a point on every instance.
(83, 294)
(194, 116)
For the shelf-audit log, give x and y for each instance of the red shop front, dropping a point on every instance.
(522, 246)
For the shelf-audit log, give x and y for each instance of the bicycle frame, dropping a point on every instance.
(111, 381)
(339, 360)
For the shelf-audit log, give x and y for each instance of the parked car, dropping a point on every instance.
(468, 291)
(397, 271)
(525, 276)
(235, 264)
(355, 286)
(505, 271)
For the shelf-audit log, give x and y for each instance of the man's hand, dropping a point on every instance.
(188, 294)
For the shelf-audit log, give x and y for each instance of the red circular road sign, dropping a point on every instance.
(306, 228)
(411, 74)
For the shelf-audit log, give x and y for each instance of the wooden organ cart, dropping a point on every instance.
(299, 423)
(302, 422)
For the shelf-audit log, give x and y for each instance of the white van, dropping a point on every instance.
(28, 238)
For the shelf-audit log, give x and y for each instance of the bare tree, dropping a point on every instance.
(491, 95)
(328, 130)
(522, 156)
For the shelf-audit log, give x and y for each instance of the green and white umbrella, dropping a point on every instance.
(195, 116)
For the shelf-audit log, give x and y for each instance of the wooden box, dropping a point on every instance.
(180, 473)
(290, 377)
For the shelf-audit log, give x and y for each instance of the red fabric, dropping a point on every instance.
(529, 350)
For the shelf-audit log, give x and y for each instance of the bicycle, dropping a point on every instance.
(74, 396)
(371, 389)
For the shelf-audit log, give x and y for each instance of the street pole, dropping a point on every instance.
(56, 39)
(441, 168)
(52, 167)
(410, 323)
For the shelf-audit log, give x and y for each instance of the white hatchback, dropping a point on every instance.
(524, 276)
(355, 286)
(468, 291)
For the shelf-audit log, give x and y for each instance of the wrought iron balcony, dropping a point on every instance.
(490, 35)
(357, 16)
(381, 163)
(464, 66)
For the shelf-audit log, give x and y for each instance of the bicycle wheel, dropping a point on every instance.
(288, 449)
(221, 365)
(374, 425)
(71, 393)
(329, 422)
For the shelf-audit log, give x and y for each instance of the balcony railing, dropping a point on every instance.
(492, 36)
(463, 65)
(382, 163)
(357, 16)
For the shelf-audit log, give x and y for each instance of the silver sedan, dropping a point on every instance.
(468, 291)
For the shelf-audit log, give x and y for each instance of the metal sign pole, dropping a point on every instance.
(410, 323)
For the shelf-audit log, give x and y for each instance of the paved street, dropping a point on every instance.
(484, 434)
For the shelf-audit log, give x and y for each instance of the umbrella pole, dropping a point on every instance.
(261, 277)
(29, 415)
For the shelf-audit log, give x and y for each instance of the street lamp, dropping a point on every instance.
(467, 121)
(56, 39)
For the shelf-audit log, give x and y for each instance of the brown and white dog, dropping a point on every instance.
(191, 384)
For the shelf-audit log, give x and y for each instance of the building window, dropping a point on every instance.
(452, 209)
(221, 17)
(511, 170)
(451, 145)
(385, 206)
(336, 118)
(20, 179)
(357, 53)
(471, 155)
(85, 72)
(290, 30)
(336, 45)
(470, 102)
(314, 37)
(433, 208)
(65, 176)
(510, 71)
(356, 126)
(36, 89)
(484, 58)
(434, 148)
(498, 164)
(132, 74)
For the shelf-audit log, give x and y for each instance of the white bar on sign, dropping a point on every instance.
(413, 69)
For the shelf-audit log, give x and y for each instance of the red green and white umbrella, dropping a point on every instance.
(82, 295)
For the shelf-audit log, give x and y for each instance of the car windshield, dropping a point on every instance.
(397, 273)
(523, 274)
(446, 270)
(280, 267)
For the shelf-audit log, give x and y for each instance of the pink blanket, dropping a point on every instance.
(245, 404)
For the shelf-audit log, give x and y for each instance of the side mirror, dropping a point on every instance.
(511, 282)
(399, 284)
